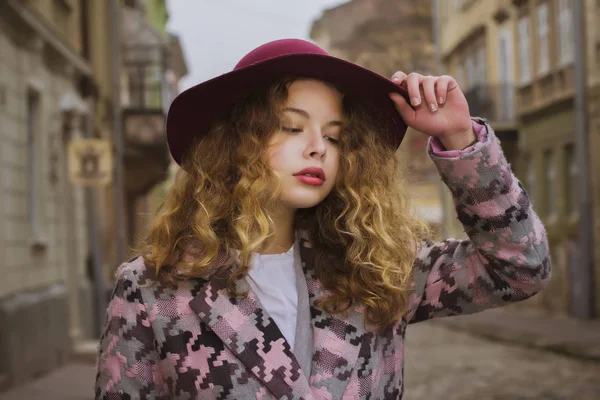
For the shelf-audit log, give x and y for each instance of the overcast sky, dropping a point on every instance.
(216, 34)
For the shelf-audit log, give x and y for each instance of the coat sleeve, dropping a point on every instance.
(505, 258)
(127, 357)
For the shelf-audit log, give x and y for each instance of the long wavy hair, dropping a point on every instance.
(365, 233)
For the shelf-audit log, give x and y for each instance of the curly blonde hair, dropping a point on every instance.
(364, 232)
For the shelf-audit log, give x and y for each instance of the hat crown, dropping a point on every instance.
(279, 48)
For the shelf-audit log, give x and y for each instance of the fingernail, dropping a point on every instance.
(441, 100)
(415, 101)
(432, 107)
(396, 79)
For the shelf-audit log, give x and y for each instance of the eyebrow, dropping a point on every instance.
(307, 115)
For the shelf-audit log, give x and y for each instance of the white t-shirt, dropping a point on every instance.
(272, 277)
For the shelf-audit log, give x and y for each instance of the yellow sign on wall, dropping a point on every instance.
(90, 162)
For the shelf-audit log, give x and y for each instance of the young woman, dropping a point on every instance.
(286, 262)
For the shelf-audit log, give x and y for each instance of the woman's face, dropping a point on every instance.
(304, 153)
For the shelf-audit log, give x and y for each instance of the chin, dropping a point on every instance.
(298, 200)
(300, 204)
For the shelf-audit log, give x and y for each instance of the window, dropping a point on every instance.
(543, 38)
(503, 58)
(505, 66)
(460, 75)
(566, 39)
(550, 183)
(33, 122)
(169, 90)
(571, 178)
(470, 67)
(481, 66)
(524, 53)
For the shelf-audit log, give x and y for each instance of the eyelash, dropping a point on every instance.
(291, 130)
(295, 130)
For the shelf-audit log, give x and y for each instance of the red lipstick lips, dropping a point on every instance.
(311, 176)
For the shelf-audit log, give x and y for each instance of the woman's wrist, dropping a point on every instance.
(459, 141)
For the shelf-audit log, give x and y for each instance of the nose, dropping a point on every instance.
(316, 146)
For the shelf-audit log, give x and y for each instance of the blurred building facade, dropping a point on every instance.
(387, 36)
(57, 84)
(144, 199)
(515, 62)
(153, 65)
(43, 70)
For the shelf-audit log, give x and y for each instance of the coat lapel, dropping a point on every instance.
(337, 340)
(252, 336)
(303, 345)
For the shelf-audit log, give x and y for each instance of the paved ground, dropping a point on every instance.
(441, 363)
(574, 337)
(73, 382)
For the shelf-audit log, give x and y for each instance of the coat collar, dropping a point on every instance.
(337, 339)
(252, 336)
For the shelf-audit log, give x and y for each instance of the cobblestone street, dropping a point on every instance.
(445, 364)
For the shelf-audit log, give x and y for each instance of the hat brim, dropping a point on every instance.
(192, 112)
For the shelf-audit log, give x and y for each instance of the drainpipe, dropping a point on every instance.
(117, 128)
(585, 276)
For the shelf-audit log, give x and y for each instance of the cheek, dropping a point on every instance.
(281, 154)
(274, 156)
(335, 166)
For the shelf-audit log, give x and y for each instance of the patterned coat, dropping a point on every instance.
(196, 342)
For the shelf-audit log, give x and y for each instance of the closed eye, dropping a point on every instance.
(291, 130)
(332, 140)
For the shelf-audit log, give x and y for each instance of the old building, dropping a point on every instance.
(152, 63)
(43, 70)
(146, 103)
(592, 25)
(476, 49)
(146, 155)
(57, 84)
(176, 70)
(515, 61)
(386, 36)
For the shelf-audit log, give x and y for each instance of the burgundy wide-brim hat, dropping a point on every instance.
(192, 112)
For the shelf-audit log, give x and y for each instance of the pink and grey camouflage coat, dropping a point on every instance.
(196, 342)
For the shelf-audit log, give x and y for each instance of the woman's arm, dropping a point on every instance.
(127, 359)
(506, 257)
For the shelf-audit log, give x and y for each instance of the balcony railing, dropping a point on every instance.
(142, 94)
(495, 103)
(553, 87)
(143, 78)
